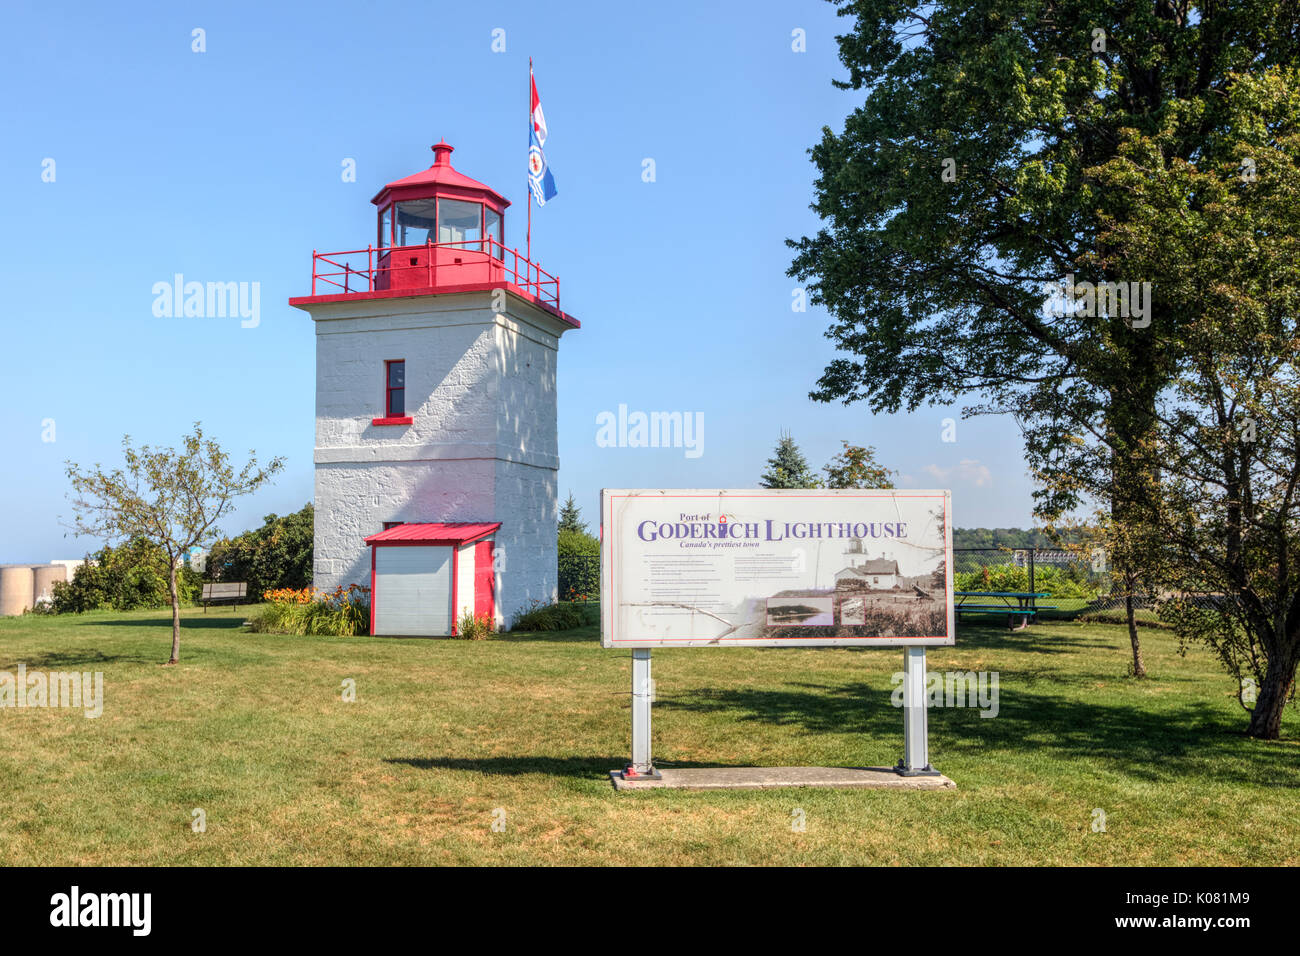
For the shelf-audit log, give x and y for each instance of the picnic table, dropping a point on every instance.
(1017, 605)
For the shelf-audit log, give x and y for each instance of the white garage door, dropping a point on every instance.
(412, 591)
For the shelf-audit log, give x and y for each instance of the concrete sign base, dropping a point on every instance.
(762, 778)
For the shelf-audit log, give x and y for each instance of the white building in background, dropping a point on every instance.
(862, 571)
(876, 574)
(436, 437)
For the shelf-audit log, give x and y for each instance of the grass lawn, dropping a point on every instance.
(252, 729)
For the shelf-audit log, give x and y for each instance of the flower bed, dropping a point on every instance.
(343, 612)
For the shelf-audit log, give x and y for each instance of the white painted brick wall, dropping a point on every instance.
(483, 445)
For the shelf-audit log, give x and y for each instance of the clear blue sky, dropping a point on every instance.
(225, 166)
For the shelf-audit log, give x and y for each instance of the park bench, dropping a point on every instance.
(223, 592)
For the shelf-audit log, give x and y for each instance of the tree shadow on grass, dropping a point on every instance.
(589, 634)
(71, 660)
(1034, 640)
(582, 768)
(1178, 742)
(187, 623)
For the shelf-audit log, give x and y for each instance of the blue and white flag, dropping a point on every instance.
(539, 174)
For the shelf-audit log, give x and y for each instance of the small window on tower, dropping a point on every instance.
(395, 387)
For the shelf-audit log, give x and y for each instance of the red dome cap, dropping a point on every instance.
(440, 179)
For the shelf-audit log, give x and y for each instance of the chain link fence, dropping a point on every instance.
(1079, 584)
(579, 577)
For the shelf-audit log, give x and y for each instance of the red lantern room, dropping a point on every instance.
(437, 231)
(439, 225)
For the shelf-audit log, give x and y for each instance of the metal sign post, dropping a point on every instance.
(916, 743)
(641, 766)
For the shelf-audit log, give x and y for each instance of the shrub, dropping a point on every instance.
(276, 555)
(343, 612)
(475, 627)
(129, 577)
(548, 617)
(578, 564)
(1010, 577)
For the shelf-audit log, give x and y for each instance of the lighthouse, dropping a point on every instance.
(436, 440)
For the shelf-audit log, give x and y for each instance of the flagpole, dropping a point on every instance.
(528, 184)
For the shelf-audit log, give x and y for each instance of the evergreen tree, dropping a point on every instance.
(571, 516)
(787, 468)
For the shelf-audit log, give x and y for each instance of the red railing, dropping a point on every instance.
(392, 268)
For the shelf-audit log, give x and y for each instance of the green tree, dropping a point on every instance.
(985, 167)
(276, 555)
(788, 468)
(1218, 515)
(172, 498)
(578, 564)
(856, 467)
(571, 516)
(966, 180)
(127, 578)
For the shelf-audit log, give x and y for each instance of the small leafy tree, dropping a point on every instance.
(173, 498)
(788, 468)
(856, 467)
(939, 576)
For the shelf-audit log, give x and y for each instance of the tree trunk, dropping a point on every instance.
(1139, 669)
(1266, 718)
(176, 616)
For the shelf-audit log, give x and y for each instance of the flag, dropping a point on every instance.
(539, 174)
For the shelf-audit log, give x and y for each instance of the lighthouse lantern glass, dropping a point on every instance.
(386, 227)
(492, 226)
(460, 222)
(415, 222)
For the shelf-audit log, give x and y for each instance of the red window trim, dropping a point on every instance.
(388, 417)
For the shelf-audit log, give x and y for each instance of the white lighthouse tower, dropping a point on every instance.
(436, 441)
